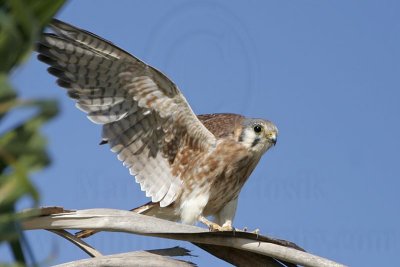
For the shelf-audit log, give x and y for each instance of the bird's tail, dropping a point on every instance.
(150, 209)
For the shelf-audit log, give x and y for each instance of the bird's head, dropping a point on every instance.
(258, 135)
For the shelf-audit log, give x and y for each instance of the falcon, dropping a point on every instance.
(191, 167)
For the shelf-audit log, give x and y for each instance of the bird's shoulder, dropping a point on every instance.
(222, 125)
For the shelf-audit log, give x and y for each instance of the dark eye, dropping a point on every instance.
(257, 128)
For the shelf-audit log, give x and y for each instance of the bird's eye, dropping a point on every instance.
(257, 128)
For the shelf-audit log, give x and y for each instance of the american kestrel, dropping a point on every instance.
(191, 166)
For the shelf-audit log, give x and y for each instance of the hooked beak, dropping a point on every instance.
(273, 138)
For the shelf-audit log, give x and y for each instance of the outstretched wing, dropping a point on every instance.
(145, 118)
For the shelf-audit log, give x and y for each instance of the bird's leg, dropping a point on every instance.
(225, 216)
(214, 227)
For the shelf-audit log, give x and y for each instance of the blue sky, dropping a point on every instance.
(327, 74)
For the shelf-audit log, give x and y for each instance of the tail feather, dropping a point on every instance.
(149, 209)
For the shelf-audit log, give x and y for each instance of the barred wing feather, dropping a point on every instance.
(143, 113)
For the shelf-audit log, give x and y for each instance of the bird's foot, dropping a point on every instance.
(214, 227)
(217, 228)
